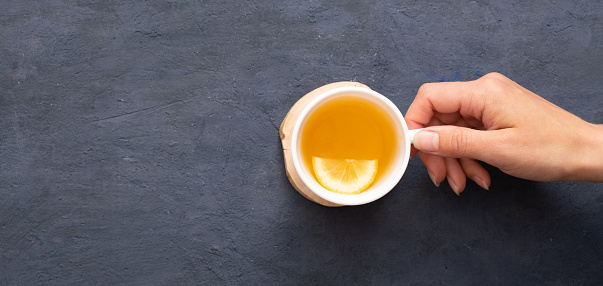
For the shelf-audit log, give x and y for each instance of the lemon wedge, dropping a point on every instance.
(347, 176)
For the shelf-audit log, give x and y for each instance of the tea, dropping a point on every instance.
(349, 128)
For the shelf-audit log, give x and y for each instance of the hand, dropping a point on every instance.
(495, 120)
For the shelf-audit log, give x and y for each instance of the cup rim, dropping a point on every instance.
(349, 199)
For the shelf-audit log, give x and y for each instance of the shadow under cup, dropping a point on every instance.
(387, 178)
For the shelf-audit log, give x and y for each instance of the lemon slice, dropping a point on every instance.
(347, 176)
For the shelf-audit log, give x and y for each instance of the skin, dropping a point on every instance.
(497, 121)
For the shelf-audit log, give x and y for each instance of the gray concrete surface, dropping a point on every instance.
(139, 143)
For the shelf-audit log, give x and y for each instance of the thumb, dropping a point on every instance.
(455, 142)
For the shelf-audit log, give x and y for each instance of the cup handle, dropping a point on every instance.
(412, 134)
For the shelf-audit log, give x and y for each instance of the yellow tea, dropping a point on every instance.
(349, 128)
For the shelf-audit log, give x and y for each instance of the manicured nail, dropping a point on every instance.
(480, 182)
(433, 179)
(453, 186)
(426, 141)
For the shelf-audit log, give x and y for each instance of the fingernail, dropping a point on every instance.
(433, 179)
(481, 182)
(427, 141)
(453, 186)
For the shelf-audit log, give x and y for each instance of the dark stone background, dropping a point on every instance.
(139, 143)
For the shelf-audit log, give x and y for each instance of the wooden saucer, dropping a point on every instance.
(286, 131)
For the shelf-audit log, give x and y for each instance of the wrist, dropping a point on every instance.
(588, 160)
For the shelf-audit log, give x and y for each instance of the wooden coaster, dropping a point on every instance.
(287, 129)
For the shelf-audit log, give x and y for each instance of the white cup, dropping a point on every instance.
(391, 176)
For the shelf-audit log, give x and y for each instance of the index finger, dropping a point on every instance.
(445, 97)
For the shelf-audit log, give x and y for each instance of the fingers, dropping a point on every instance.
(460, 142)
(455, 171)
(450, 119)
(476, 172)
(464, 98)
(455, 175)
(436, 167)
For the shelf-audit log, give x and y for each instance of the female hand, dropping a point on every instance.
(495, 120)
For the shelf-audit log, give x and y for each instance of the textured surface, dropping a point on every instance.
(139, 143)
